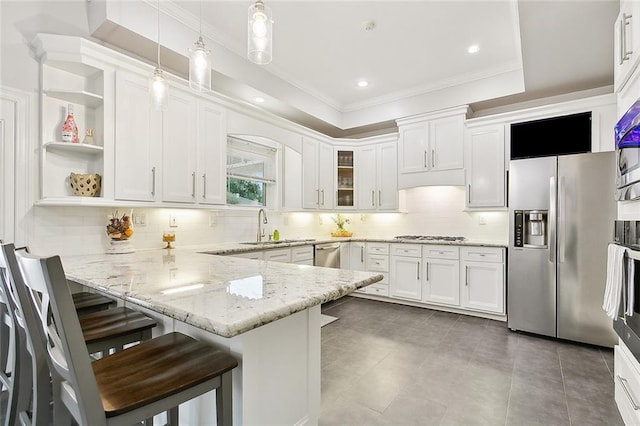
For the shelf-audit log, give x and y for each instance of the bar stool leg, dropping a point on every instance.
(223, 400)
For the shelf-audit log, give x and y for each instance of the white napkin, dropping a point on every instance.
(613, 288)
(631, 272)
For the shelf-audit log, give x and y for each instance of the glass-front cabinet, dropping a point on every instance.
(345, 161)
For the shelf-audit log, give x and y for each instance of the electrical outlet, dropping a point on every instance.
(213, 220)
(482, 220)
(173, 221)
(139, 219)
(320, 221)
(363, 218)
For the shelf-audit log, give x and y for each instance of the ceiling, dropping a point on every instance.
(415, 59)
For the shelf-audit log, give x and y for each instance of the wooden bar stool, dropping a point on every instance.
(15, 357)
(102, 331)
(131, 385)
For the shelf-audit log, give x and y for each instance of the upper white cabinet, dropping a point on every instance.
(317, 174)
(626, 43)
(179, 148)
(71, 76)
(212, 158)
(485, 172)
(377, 177)
(291, 179)
(138, 130)
(345, 179)
(430, 149)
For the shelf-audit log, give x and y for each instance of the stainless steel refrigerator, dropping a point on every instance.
(561, 215)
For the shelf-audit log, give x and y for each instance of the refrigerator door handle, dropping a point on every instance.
(553, 210)
(561, 219)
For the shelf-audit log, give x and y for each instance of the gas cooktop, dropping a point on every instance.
(429, 238)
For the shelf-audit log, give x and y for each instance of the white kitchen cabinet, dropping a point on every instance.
(317, 174)
(377, 177)
(626, 43)
(212, 158)
(357, 256)
(278, 255)
(255, 255)
(482, 284)
(485, 173)
(430, 149)
(179, 148)
(345, 178)
(626, 384)
(138, 134)
(302, 255)
(405, 274)
(441, 275)
(291, 179)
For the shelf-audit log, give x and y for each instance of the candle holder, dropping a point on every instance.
(168, 237)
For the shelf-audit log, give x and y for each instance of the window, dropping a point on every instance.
(251, 170)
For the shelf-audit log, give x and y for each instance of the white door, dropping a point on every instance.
(326, 171)
(357, 256)
(138, 135)
(212, 154)
(482, 286)
(7, 155)
(413, 152)
(486, 171)
(310, 189)
(446, 137)
(441, 281)
(179, 148)
(366, 173)
(387, 176)
(405, 278)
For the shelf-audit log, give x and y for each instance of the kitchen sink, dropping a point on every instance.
(267, 243)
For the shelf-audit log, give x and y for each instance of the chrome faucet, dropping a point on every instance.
(260, 223)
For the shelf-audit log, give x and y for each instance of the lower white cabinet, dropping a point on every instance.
(441, 281)
(406, 282)
(302, 255)
(482, 281)
(357, 256)
(627, 384)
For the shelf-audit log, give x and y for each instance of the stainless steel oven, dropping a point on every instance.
(627, 322)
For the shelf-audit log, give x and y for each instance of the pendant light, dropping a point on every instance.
(159, 86)
(200, 64)
(259, 33)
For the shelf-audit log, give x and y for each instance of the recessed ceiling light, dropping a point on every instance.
(474, 48)
(363, 83)
(258, 99)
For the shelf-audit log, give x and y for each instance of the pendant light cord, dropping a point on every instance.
(158, 34)
(201, 18)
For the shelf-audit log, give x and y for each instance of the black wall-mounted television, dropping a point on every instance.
(568, 134)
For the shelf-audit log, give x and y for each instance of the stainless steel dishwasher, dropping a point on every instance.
(327, 255)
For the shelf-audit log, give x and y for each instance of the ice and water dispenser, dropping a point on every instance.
(531, 228)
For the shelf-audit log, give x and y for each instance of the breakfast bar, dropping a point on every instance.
(266, 314)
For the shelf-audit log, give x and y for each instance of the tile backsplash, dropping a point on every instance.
(429, 210)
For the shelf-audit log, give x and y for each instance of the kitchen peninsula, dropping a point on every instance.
(266, 314)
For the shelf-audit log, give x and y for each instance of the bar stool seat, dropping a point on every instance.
(114, 328)
(86, 302)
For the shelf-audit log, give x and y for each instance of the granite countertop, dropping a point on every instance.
(226, 296)
(236, 248)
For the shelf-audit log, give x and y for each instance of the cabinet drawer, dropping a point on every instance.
(377, 263)
(482, 254)
(279, 255)
(378, 289)
(441, 252)
(409, 250)
(627, 385)
(377, 248)
(299, 254)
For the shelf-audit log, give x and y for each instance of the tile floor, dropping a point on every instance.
(388, 364)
